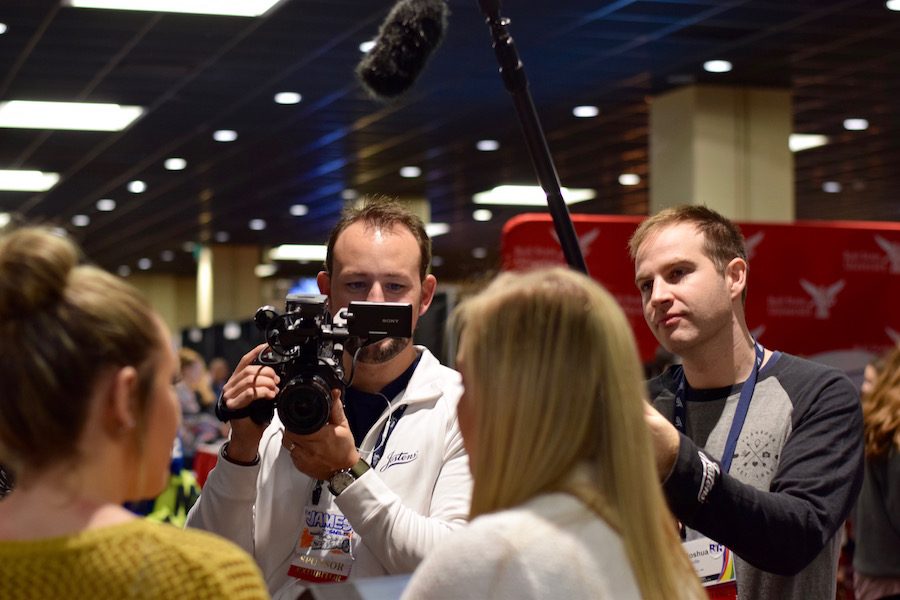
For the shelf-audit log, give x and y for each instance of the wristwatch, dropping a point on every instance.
(338, 482)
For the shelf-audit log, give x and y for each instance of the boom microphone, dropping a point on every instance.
(406, 39)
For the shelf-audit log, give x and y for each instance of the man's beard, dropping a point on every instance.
(383, 351)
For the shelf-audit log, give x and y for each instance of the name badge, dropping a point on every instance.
(325, 550)
(713, 562)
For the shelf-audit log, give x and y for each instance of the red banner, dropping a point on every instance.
(827, 289)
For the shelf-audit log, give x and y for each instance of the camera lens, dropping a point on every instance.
(304, 405)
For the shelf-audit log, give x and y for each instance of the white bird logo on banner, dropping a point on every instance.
(894, 335)
(892, 250)
(584, 241)
(823, 297)
(752, 242)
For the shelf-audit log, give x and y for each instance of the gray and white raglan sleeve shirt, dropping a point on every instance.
(796, 472)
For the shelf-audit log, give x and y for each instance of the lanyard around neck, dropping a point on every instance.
(740, 413)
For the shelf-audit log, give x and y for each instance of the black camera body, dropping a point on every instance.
(306, 345)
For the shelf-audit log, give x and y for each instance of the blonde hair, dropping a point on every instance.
(62, 324)
(552, 363)
(203, 386)
(881, 408)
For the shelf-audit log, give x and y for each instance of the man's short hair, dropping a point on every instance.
(386, 213)
(722, 239)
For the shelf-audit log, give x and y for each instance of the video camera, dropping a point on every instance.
(305, 349)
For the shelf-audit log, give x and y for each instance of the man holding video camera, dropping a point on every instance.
(387, 477)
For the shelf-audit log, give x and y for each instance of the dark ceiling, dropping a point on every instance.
(196, 74)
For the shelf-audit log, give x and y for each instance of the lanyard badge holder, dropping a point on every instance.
(325, 550)
(713, 561)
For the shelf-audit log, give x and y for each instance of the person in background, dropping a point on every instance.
(758, 450)
(195, 394)
(876, 557)
(219, 372)
(196, 383)
(386, 479)
(87, 420)
(566, 499)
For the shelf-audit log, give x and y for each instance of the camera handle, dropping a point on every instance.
(260, 412)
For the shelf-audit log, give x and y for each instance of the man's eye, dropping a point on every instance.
(395, 287)
(356, 285)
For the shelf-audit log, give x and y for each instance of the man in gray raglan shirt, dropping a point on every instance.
(760, 451)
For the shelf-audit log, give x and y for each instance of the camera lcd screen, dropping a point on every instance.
(378, 320)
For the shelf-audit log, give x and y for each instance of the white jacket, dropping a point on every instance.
(551, 546)
(400, 509)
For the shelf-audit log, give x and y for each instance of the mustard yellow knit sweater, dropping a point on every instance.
(138, 559)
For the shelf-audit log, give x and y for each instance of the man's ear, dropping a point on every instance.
(120, 401)
(429, 285)
(324, 281)
(736, 277)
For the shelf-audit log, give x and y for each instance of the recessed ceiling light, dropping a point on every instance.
(257, 224)
(892, 4)
(5, 218)
(223, 236)
(349, 194)
(81, 220)
(225, 135)
(482, 214)
(175, 164)
(410, 172)
(437, 261)
(2, 28)
(144, 264)
(167, 255)
(299, 210)
(586, 111)
(137, 186)
(798, 142)
(298, 252)
(106, 205)
(488, 145)
(832, 187)
(629, 179)
(856, 124)
(529, 195)
(288, 98)
(75, 116)
(265, 270)
(188, 246)
(124, 271)
(717, 66)
(231, 330)
(244, 8)
(367, 46)
(14, 180)
(435, 229)
(479, 252)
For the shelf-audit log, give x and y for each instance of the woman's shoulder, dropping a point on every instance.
(213, 559)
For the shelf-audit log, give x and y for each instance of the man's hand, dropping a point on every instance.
(249, 382)
(326, 451)
(665, 440)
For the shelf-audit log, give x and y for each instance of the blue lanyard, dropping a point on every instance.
(388, 430)
(740, 413)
